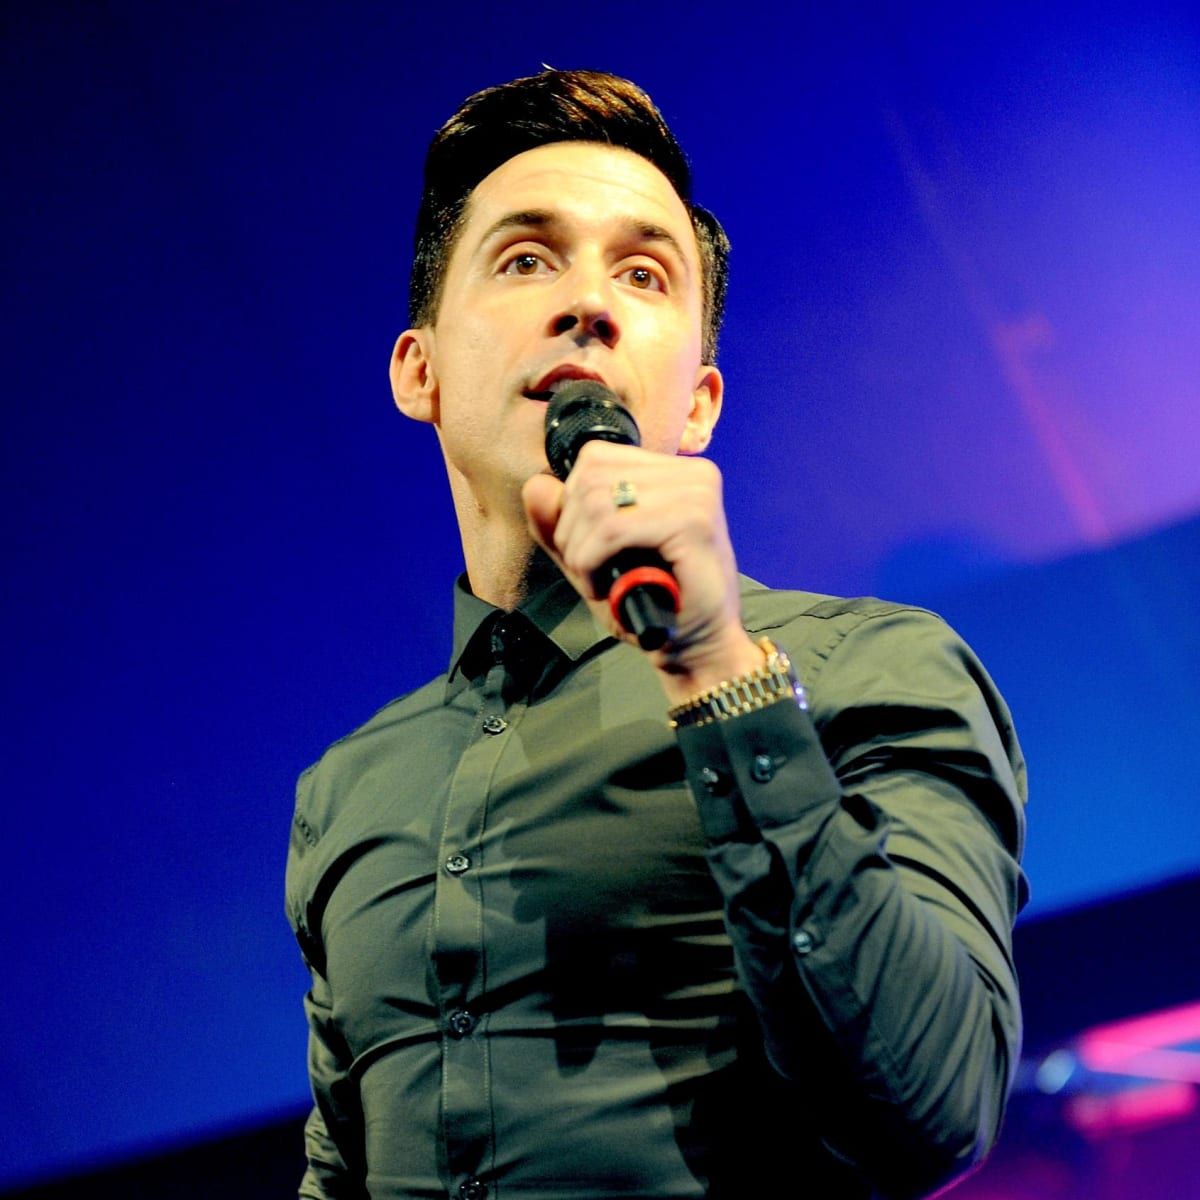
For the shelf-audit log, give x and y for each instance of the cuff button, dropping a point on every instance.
(715, 783)
(763, 768)
(802, 941)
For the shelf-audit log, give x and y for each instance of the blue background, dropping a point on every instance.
(963, 365)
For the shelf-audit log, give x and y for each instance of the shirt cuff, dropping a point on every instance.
(756, 771)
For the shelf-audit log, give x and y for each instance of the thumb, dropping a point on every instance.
(542, 496)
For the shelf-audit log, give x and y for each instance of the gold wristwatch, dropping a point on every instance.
(773, 681)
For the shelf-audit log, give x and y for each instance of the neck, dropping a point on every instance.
(504, 564)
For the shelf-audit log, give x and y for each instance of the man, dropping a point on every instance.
(560, 947)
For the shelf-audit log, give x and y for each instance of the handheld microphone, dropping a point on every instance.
(642, 593)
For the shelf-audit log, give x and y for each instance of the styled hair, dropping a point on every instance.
(501, 122)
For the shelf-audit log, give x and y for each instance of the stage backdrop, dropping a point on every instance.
(963, 353)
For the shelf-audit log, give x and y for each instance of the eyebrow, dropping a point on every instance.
(540, 218)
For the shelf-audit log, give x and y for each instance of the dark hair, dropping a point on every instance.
(501, 122)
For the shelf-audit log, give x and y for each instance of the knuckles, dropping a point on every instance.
(679, 499)
(690, 489)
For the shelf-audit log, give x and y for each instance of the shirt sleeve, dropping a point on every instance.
(867, 851)
(332, 1127)
(333, 1133)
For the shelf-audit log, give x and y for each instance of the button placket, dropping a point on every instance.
(458, 934)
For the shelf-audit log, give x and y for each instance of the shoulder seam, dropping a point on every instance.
(871, 609)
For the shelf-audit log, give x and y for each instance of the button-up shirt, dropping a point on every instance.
(558, 950)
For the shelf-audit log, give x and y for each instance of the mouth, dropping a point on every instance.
(544, 389)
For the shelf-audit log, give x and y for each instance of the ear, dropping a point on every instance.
(414, 379)
(705, 412)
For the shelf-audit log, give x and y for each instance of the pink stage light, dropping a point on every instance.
(1134, 1108)
(1163, 1045)
(1161, 1051)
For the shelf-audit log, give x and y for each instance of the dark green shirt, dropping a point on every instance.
(560, 951)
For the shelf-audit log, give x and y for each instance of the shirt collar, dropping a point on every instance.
(557, 611)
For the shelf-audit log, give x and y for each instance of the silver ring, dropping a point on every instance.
(624, 494)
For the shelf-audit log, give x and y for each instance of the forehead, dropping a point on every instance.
(584, 182)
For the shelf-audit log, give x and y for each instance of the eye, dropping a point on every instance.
(525, 263)
(645, 279)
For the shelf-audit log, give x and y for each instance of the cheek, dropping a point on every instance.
(668, 365)
(673, 334)
(662, 426)
(467, 361)
(465, 351)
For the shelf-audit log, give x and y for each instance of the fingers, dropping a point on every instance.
(542, 496)
(678, 512)
(677, 507)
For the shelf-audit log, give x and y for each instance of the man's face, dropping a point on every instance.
(575, 260)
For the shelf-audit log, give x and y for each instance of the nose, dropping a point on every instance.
(585, 312)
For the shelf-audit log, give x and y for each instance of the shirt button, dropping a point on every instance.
(494, 725)
(714, 782)
(456, 864)
(763, 769)
(472, 1189)
(460, 1023)
(802, 941)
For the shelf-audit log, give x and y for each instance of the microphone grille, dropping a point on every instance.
(580, 411)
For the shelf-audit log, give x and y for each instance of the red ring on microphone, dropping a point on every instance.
(658, 577)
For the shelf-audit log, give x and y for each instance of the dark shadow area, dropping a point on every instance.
(264, 1163)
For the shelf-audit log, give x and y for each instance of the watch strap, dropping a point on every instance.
(773, 681)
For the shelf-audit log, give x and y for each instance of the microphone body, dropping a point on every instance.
(640, 588)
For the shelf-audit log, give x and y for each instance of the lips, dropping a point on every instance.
(546, 386)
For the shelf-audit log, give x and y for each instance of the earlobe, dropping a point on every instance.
(414, 380)
(706, 411)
